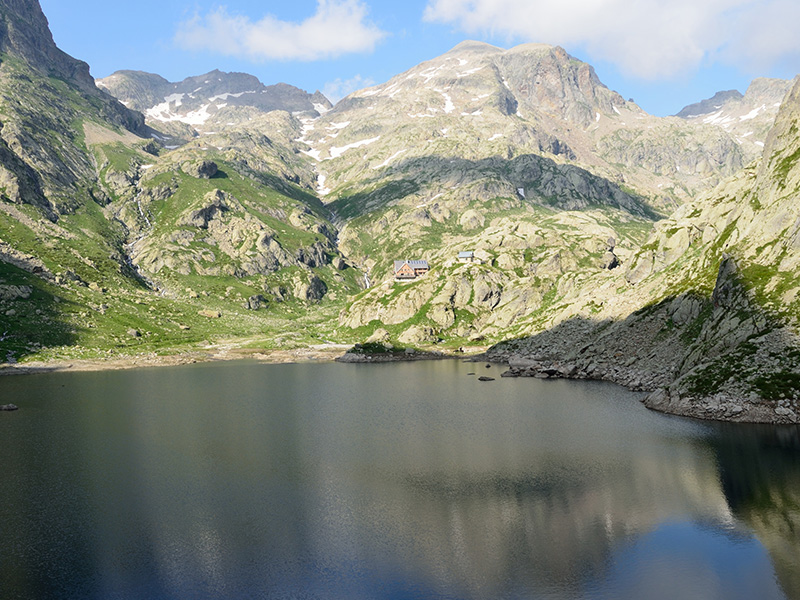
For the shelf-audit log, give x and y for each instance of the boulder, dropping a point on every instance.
(214, 205)
(417, 334)
(379, 336)
(311, 290)
(211, 314)
(8, 407)
(201, 169)
(255, 302)
(15, 292)
(610, 260)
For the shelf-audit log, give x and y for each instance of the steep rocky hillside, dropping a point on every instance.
(112, 242)
(708, 315)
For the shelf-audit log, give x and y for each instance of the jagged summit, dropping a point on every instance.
(197, 99)
(709, 105)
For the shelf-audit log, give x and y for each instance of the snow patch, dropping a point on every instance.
(753, 113)
(448, 103)
(335, 126)
(718, 118)
(496, 136)
(320, 108)
(468, 72)
(597, 117)
(760, 144)
(616, 110)
(322, 190)
(227, 95)
(163, 112)
(388, 160)
(315, 154)
(430, 73)
(337, 151)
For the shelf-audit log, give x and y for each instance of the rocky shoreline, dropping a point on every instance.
(387, 357)
(662, 395)
(660, 388)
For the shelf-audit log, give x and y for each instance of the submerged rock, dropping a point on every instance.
(8, 407)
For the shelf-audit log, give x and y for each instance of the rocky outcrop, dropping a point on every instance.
(201, 169)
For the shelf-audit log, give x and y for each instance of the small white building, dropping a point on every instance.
(466, 257)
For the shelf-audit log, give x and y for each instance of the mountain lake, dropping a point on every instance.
(241, 480)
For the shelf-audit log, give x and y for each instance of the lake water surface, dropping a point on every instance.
(409, 480)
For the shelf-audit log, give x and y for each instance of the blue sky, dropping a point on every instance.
(662, 53)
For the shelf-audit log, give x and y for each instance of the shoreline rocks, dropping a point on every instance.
(660, 395)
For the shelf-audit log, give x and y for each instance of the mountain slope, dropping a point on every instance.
(111, 243)
(478, 101)
(713, 296)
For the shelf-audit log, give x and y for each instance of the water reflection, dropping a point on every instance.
(395, 481)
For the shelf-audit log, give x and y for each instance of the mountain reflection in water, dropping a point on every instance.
(383, 481)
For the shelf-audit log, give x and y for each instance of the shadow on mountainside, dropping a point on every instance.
(529, 178)
(693, 345)
(32, 316)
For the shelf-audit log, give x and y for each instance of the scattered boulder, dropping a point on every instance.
(201, 169)
(15, 292)
(484, 378)
(211, 314)
(312, 290)
(338, 263)
(471, 219)
(8, 407)
(134, 333)
(379, 336)
(610, 260)
(214, 205)
(255, 302)
(417, 334)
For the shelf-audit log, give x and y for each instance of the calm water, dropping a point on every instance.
(393, 481)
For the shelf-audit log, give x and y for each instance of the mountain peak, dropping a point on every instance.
(709, 105)
(25, 34)
(474, 46)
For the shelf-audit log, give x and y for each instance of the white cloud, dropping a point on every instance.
(649, 39)
(337, 27)
(339, 88)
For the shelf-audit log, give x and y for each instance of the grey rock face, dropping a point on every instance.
(709, 105)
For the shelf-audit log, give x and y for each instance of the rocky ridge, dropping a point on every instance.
(196, 100)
